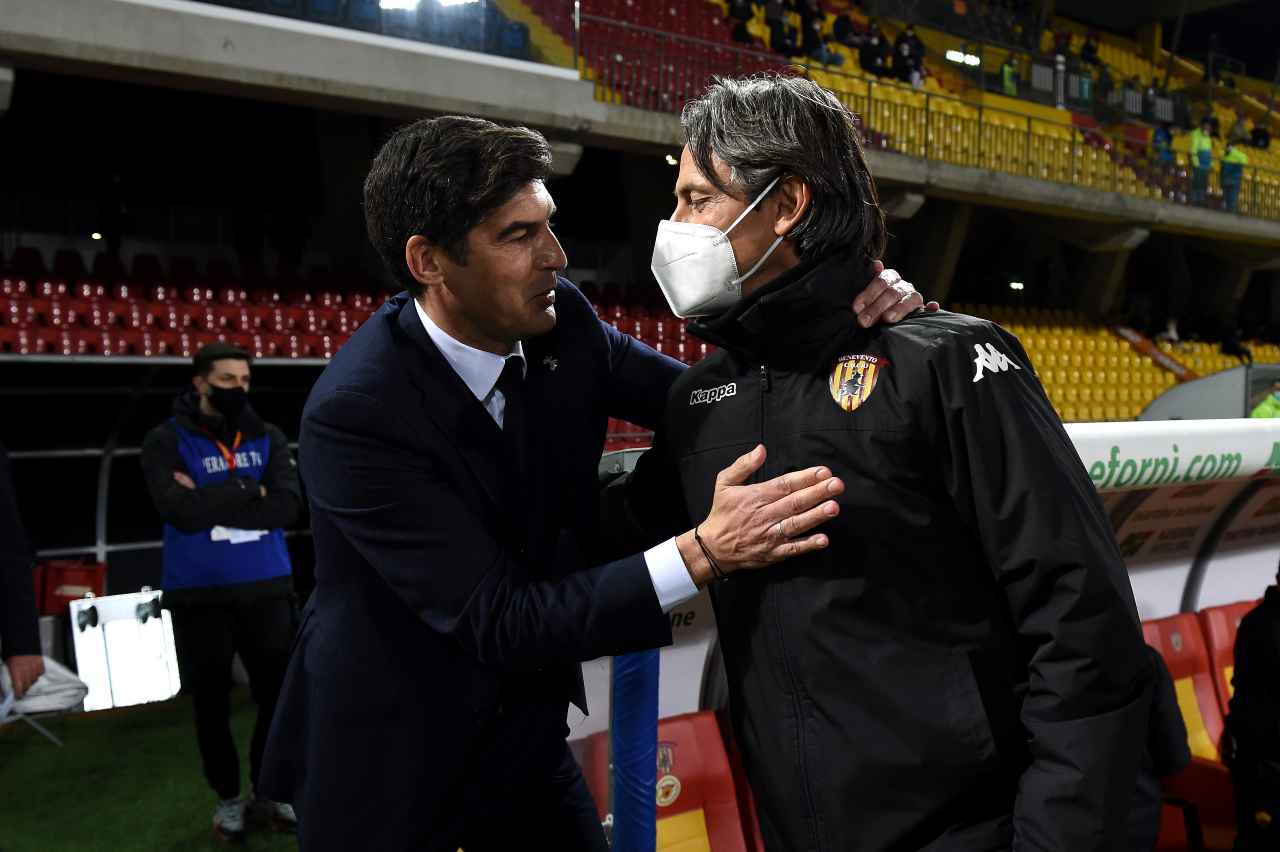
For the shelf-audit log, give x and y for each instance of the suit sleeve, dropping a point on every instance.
(1013, 472)
(19, 625)
(639, 379)
(391, 503)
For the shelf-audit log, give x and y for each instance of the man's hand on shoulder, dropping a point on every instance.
(888, 298)
(184, 480)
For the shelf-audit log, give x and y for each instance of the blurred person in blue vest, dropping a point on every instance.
(1234, 159)
(226, 486)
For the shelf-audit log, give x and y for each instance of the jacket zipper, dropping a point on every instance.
(766, 384)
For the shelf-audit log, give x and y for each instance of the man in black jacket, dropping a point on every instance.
(19, 627)
(226, 485)
(1254, 723)
(963, 667)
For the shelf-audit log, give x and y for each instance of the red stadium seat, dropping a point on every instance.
(1205, 784)
(696, 793)
(108, 268)
(147, 270)
(1180, 641)
(89, 290)
(1220, 624)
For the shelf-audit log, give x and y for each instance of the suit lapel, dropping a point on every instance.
(449, 402)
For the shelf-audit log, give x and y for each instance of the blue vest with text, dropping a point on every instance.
(219, 556)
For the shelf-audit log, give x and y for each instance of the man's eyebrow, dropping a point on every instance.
(524, 224)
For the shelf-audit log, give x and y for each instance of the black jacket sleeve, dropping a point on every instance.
(283, 503)
(234, 503)
(384, 492)
(19, 626)
(1014, 474)
(1167, 735)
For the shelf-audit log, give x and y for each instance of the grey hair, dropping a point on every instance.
(768, 125)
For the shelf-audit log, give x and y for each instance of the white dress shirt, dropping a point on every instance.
(479, 371)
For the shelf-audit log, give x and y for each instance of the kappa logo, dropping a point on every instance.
(709, 395)
(990, 359)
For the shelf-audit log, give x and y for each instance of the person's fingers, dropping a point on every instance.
(742, 468)
(884, 308)
(802, 501)
(798, 547)
(870, 293)
(932, 306)
(789, 483)
(797, 525)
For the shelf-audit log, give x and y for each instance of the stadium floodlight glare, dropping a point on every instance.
(671, 161)
(457, 2)
(1015, 285)
(95, 236)
(959, 57)
(407, 5)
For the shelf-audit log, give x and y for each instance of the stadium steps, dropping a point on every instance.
(544, 43)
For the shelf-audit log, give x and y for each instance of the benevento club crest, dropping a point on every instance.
(854, 378)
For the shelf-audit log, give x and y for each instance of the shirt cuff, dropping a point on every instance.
(671, 580)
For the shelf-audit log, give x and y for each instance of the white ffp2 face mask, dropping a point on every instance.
(695, 266)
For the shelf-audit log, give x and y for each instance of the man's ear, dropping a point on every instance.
(199, 383)
(423, 259)
(793, 201)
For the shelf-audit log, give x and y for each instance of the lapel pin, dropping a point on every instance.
(550, 363)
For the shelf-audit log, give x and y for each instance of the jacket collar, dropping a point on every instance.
(797, 313)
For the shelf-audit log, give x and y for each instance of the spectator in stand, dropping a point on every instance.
(908, 55)
(874, 55)
(1233, 345)
(847, 32)
(1261, 136)
(1089, 51)
(1234, 159)
(784, 39)
(1162, 146)
(1106, 83)
(226, 486)
(1201, 161)
(1062, 42)
(19, 624)
(1253, 725)
(1239, 133)
(1009, 76)
(1167, 753)
(815, 45)
(740, 10)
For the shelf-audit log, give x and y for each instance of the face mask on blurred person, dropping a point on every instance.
(229, 402)
(695, 265)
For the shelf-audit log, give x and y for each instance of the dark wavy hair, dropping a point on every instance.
(768, 125)
(440, 177)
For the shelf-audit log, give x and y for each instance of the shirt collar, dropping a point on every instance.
(479, 370)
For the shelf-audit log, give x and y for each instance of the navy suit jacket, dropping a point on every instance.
(445, 583)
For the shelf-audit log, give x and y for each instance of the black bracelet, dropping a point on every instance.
(715, 566)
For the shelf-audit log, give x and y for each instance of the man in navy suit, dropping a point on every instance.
(450, 453)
